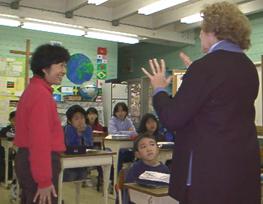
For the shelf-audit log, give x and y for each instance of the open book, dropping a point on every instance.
(155, 176)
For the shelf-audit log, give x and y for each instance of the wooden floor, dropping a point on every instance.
(87, 195)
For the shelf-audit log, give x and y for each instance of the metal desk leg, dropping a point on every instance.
(106, 178)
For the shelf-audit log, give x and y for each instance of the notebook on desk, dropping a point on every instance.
(76, 149)
(166, 145)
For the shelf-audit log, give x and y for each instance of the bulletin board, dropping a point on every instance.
(12, 71)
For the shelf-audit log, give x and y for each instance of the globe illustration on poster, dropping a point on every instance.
(79, 68)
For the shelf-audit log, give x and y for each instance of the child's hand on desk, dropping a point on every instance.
(130, 129)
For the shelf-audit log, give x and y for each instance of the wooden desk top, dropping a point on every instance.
(92, 153)
(118, 138)
(157, 192)
(260, 130)
(165, 150)
(99, 134)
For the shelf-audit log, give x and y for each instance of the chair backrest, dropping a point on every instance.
(121, 193)
(121, 179)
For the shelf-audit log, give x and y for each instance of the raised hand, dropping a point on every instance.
(158, 78)
(186, 60)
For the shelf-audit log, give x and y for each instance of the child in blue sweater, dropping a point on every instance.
(77, 133)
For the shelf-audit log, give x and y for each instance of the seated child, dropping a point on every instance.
(121, 124)
(149, 124)
(77, 133)
(9, 131)
(147, 151)
(92, 119)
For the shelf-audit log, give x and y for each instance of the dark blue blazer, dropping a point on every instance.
(213, 115)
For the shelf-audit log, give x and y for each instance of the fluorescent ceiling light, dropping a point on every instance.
(112, 37)
(9, 22)
(192, 19)
(52, 23)
(53, 28)
(159, 5)
(112, 32)
(97, 2)
(8, 16)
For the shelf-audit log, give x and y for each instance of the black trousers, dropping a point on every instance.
(26, 182)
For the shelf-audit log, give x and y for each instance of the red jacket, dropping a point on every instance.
(38, 128)
(97, 127)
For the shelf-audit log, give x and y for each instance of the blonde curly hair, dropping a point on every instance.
(227, 22)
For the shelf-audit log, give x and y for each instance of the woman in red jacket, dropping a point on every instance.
(39, 134)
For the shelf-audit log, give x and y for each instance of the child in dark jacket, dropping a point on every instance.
(77, 133)
(147, 151)
(9, 131)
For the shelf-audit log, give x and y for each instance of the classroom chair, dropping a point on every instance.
(121, 193)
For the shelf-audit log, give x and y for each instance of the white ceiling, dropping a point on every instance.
(121, 15)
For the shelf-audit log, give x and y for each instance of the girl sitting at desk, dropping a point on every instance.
(77, 133)
(92, 119)
(122, 125)
(149, 124)
(119, 123)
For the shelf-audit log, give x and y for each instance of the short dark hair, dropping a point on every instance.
(139, 138)
(142, 127)
(92, 110)
(74, 109)
(46, 55)
(12, 115)
(122, 105)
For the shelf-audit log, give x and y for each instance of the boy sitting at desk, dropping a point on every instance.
(77, 133)
(147, 151)
(9, 131)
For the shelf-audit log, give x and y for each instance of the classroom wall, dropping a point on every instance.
(132, 58)
(15, 39)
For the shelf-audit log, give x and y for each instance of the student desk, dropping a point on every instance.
(115, 143)
(98, 137)
(96, 158)
(142, 195)
(6, 144)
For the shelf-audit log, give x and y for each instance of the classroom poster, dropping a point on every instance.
(12, 83)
